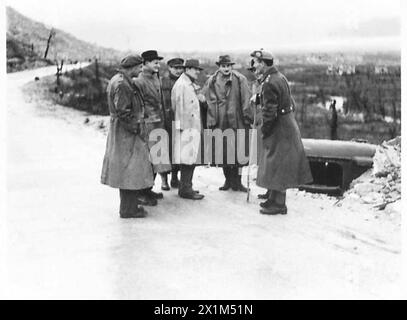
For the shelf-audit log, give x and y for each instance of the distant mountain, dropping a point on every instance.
(378, 27)
(27, 42)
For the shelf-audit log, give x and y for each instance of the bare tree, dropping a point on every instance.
(59, 71)
(304, 109)
(97, 79)
(380, 96)
(51, 34)
(97, 76)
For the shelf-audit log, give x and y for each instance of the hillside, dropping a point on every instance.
(27, 42)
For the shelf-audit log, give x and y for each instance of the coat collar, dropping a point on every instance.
(173, 77)
(269, 71)
(149, 74)
(221, 76)
(187, 80)
(125, 77)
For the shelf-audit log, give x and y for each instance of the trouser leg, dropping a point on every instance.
(175, 170)
(164, 182)
(275, 204)
(226, 173)
(187, 173)
(128, 202)
(236, 179)
(174, 176)
(232, 176)
(280, 197)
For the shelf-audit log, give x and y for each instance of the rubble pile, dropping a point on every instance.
(381, 185)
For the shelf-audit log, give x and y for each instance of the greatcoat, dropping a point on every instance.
(283, 163)
(167, 85)
(126, 163)
(149, 85)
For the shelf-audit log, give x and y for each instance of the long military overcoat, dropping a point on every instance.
(188, 125)
(283, 163)
(167, 85)
(126, 163)
(150, 87)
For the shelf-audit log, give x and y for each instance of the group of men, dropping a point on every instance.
(141, 102)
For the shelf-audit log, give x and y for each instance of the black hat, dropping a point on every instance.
(131, 61)
(151, 55)
(225, 60)
(176, 63)
(193, 63)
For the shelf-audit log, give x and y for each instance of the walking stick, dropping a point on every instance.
(254, 132)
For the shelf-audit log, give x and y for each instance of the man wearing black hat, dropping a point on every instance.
(228, 97)
(185, 100)
(175, 69)
(283, 163)
(148, 82)
(126, 164)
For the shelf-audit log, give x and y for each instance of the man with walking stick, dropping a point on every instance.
(227, 95)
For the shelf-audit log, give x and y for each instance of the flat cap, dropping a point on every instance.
(131, 61)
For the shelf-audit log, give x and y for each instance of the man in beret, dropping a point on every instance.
(228, 97)
(185, 100)
(126, 164)
(148, 82)
(175, 69)
(283, 163)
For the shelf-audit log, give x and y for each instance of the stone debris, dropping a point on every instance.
(381, 186)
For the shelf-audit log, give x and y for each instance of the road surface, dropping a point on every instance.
(65, 240)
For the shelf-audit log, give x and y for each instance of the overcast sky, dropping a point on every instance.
(220, 24)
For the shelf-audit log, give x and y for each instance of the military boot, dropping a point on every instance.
(154, 195)
(269, 201)
(274, 210)
(174, 182)
(275, 205)
(264, 196)
(236, 179)
(227, 173)
(140, 212)
(145, 200)
(191, 195)
(164, 182)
